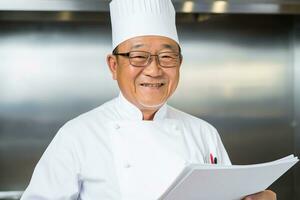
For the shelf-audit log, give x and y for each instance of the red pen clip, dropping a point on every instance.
(213, 160)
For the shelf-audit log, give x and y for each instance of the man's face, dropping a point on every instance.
(146, 87)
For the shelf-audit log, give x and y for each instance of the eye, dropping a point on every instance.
(138, 55)
(168, 56)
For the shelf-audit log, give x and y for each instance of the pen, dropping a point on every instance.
(211, 158)
(215, 160)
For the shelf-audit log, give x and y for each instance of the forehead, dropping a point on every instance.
(149, 43)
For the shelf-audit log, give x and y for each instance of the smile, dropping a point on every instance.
(157, 85)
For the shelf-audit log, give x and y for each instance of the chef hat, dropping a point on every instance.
(132, 18)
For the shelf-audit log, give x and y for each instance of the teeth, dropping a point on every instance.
(152, 84)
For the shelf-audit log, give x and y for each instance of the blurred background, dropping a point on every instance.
(241, 73)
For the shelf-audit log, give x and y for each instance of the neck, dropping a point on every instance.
(148, 114)
(149, 111)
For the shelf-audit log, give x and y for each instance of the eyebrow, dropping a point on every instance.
(165, 46)
(168, 46)
(137, 46)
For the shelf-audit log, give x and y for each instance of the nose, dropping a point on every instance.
(153, 69)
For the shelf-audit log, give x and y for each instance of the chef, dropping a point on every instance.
(134, 146)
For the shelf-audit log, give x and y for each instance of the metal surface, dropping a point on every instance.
(296, 122)
(49, 74)
(10, 195)
(54, 5)
(237, 74)
(197, 6)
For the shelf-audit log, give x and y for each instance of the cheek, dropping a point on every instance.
(128, 75)
(173, 79)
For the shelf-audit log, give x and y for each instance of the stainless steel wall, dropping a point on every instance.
(238, 73)
(296, 122)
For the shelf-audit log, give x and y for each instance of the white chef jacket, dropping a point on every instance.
(110, 153)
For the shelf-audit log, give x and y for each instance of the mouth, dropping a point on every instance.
(152, 85)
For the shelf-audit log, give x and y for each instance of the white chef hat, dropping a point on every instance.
(132, 18)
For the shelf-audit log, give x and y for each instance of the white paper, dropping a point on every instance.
(232, 182)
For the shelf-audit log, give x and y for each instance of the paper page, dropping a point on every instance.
(215, 182)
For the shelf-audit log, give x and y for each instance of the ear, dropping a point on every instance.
(113, 65)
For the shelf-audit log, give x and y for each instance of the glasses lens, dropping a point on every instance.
(139, 58)
(169, 59)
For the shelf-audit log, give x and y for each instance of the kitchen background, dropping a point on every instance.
(241, 73)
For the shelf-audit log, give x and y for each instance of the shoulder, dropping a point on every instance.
(100, 114)
(203, 136)
(190, 120)
(202, 132)
(83, 133)
(89, 124)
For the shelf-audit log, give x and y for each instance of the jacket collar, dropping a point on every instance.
(129, 111)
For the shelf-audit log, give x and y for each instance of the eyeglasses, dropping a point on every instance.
(143, 58)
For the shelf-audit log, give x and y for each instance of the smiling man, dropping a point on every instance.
(134, 146)
(151, 71)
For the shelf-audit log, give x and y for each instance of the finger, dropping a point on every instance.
(265, 195)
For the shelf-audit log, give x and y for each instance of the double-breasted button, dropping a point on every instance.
(117, 126)
(127, 165)
(176, 128)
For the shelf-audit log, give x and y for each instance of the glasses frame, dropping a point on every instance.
(149, 60)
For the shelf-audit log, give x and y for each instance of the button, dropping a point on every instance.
(176, 128)
(117, 126)
(127, 165)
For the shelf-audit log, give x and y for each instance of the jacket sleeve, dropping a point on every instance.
(56, 176)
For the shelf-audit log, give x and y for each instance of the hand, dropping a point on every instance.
(265, 195)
